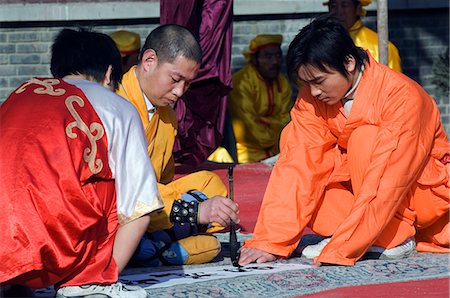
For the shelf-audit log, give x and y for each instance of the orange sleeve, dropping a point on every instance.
(403, 144)
(297, 181)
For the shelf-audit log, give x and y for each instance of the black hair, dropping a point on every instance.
(85, 52)
(170, 41)
(324, 44)
(355, 2)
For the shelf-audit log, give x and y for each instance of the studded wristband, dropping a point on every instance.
(184, 212)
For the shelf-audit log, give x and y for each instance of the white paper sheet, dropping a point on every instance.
(201, 274)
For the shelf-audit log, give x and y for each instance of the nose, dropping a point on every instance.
(275, 59)
(315, 91)
(179, 89)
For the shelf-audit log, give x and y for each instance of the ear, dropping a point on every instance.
(107, 82)
(149, 59)
(350, 64)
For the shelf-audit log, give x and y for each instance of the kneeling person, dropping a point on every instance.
(70, 216)
(359, 164)
(168, 62)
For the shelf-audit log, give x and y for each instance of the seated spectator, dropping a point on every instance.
(77, 185)
(260, 101)
(351, 11)
(129, 44)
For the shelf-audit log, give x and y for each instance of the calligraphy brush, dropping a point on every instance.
(234, 245)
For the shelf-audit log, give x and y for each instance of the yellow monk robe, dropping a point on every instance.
(259, 111)
(367, 39)
(403, 190)
(160, 133)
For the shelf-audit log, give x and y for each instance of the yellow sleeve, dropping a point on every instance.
(249, 127)
(394, 58)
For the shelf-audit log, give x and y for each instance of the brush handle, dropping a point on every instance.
(234, 244)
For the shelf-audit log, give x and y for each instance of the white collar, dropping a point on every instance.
(150, 107)
(350, 93)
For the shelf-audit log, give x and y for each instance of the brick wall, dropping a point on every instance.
(420, 36)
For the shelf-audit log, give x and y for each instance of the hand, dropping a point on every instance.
(250, 255)
(218, 209)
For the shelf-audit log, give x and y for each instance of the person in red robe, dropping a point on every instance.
(365, 161)
(77, 185)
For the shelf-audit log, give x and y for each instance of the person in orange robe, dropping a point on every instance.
(76, 192)
(360, 163)
(169, 61)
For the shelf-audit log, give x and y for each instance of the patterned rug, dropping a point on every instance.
(312, 280)
(286, 282)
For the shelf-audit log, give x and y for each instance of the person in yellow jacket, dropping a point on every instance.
(351, 11)
(168, 62)
(260, 101)
(359, 164)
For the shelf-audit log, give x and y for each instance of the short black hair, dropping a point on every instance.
(355, 2)
(85, 52)
(324, 43)
(170, 41)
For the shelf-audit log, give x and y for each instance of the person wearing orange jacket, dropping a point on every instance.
(359, 163)
(351, 11)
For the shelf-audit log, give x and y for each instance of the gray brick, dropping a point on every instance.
(17, 81)
(3, 59)
(4, 93)
(33, 48)
(3, 37)
(8, 70)
(7, 48)
(32, 71)
(45, 59)
(23, 37)
(244, 29)
(25, 59)
(240, 40)
(47, 36)
(3, 83)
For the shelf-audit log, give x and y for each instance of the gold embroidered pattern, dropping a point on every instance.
(142, 209)
(94, 133)
(47, 88)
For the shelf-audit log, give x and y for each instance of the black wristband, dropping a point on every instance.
(184, 212)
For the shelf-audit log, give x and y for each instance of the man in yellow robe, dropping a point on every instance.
(351, 11)
(359, 163)
(168, 62)
(260, 101)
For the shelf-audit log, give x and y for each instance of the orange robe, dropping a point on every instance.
(403, 189)
(160, 133)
